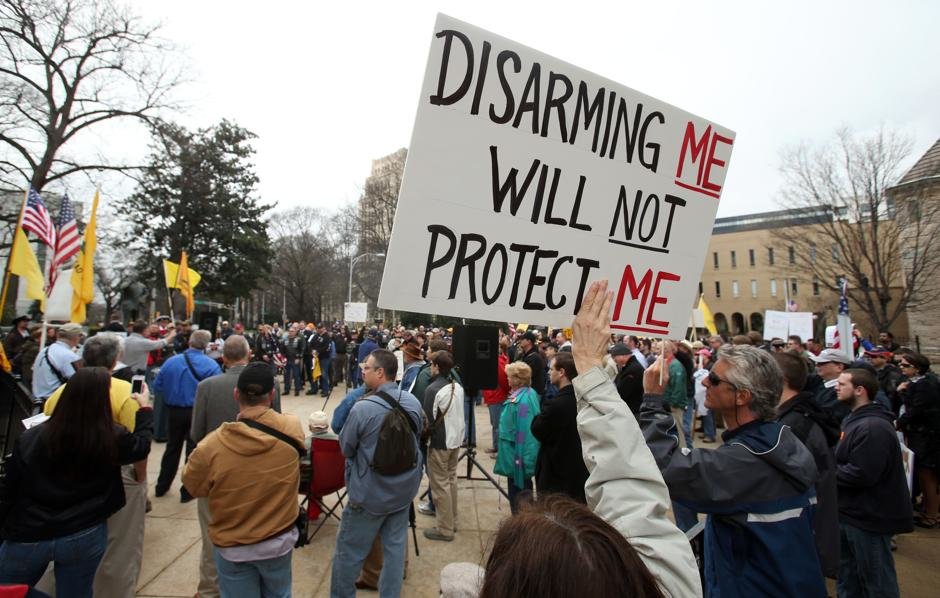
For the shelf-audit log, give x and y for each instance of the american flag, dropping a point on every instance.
(67, 240)
(36, 219)
(843, 299)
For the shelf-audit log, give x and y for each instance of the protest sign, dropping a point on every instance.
(782, 324)
(355, 312)
(528, 177)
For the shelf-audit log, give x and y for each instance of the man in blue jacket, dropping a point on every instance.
(378, 504)
(874, 502)
(757, 488)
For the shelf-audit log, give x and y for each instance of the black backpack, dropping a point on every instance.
(396, 451)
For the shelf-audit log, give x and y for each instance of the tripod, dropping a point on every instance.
(471, 453)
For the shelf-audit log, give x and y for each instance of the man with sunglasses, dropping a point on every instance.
(756, 488)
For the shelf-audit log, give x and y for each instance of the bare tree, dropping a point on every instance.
(854, 232)
(67, 67)
(116, 261)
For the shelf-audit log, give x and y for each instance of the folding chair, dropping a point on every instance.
(328, 469)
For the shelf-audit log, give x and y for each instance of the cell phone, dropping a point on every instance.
(137, 384)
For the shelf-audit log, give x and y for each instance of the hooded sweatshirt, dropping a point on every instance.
(250, 477)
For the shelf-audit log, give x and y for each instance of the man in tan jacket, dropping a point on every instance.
(250, 476)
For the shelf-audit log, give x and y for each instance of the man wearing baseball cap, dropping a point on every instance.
(889, 376)
(249, 470)
(531, 356)
(829, 365)
(56, 363)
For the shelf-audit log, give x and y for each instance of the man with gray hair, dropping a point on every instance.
(177, 380)
(757, 489)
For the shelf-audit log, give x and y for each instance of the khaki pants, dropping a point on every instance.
(208, 576)
(120, 566)
(677, 415)
(372, 566)
(442, 475)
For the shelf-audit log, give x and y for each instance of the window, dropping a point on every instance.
(816, 287)
(735, 290)
(791, 253)
(734, 259)
(835, 252)
(812, 253)
(793, 288)
(715, 259)
(770, 256)
(751, 257)
(717, 289)
(753, 288)
(773, 287)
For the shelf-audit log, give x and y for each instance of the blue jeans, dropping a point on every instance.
(353, 372)
(515, 491)
(708, 425)
(357, 531)
(76, 559)
(292, 374)
(270, 578)
(866, 567)
(326, 366)
(688, 421)
(495, 412)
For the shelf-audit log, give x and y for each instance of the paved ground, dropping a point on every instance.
(172, 542)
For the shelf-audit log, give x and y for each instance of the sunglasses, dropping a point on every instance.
(715, 380)
(905, 365)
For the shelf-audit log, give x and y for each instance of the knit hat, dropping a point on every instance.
(318, 421)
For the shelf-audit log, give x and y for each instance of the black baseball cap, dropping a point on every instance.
(257, 379)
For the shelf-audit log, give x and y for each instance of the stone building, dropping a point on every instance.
(917, 198)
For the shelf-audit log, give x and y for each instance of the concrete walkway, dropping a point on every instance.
(172, 541)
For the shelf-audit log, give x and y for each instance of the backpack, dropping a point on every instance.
(396, 451)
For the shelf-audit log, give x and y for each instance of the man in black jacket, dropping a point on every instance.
(874, 502)
(531, 356)
(819, 433)
(560, 467)
(629, 379)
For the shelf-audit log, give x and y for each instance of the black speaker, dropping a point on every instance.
(476, 349)
(209, 320)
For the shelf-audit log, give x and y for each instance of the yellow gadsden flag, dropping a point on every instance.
(184, 285)
(707, 315)
(83, 275)
(171, 273)
(24, 264)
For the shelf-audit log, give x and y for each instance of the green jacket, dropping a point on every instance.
(676, 389)
(516, 460)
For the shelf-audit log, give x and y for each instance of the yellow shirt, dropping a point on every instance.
(123, 407)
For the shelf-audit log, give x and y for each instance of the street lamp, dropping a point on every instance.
(352, 262)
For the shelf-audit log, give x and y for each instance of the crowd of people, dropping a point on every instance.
(598, 436)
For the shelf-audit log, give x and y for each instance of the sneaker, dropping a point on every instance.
(435, 534)
(296, 393)
(490, 451)
(425, 508)
(185, 496)
(158, 492)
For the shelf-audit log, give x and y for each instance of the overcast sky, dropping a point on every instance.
(329, 88)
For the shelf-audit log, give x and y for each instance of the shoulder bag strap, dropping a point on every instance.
(55, 370)
(396, 405)
(192, 370)
(276, 433)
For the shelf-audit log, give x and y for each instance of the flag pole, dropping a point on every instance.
(6, 275)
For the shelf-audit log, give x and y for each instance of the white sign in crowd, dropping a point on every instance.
(528, 177)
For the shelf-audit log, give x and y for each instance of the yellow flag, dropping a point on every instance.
(83, 276)
(24, 264)
(184, 285)
(171, 273)
(707, 315)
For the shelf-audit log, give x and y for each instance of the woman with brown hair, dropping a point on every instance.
(920, 422)
(63, 481)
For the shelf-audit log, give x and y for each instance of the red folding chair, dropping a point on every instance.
(328, 476)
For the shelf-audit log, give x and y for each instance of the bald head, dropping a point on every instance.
(235, 350)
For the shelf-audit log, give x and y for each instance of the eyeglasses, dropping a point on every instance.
(365, 368)
(905, 365)
(714, 380)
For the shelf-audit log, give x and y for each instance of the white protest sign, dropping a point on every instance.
(528, 177)
(776, 324)
(355, 312)
(781, 324)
